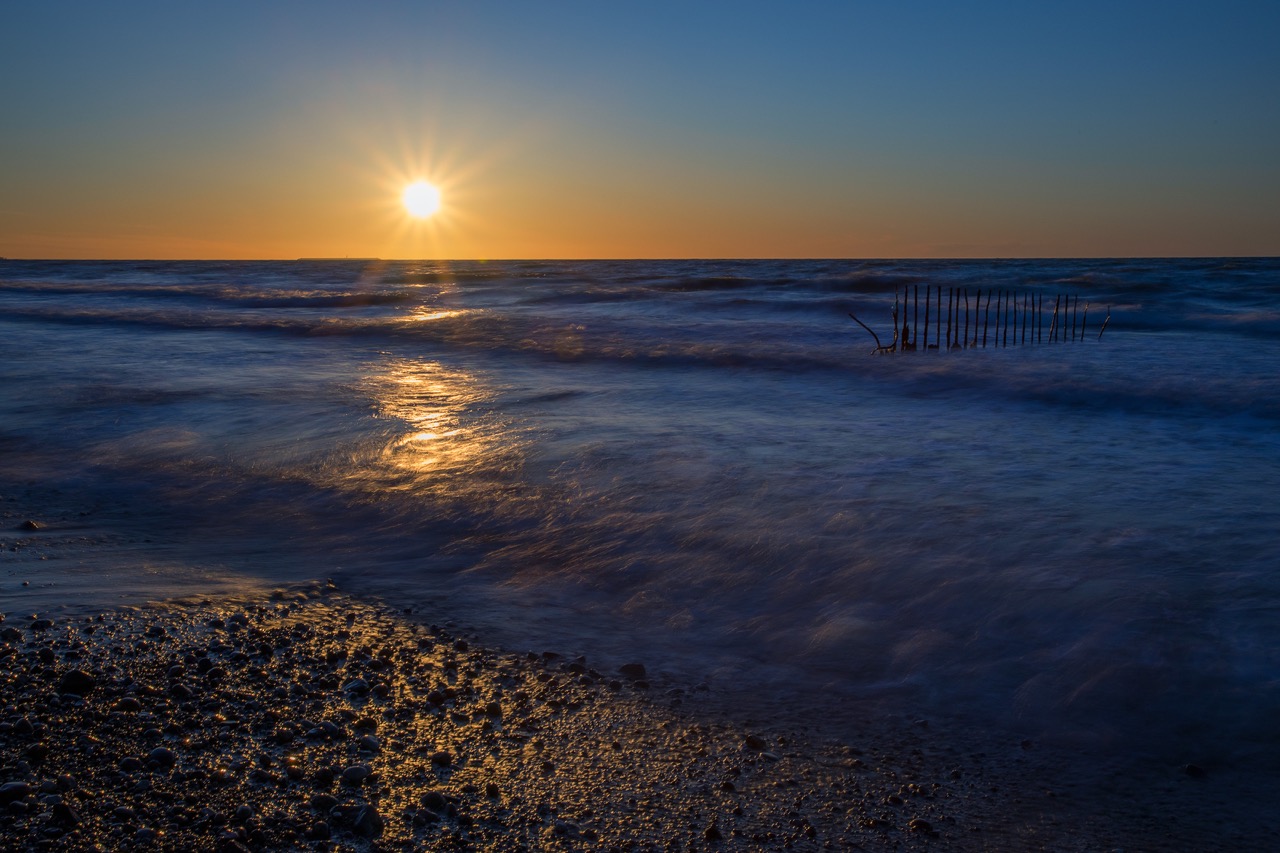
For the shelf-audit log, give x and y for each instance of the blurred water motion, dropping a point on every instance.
(426, 315)
(696, 463)
(441, 436)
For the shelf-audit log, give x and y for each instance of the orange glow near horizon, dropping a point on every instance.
(550, 134)
(521, 190)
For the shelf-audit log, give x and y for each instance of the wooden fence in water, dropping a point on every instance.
(1019, 318)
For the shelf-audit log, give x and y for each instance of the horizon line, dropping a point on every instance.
(362, 259)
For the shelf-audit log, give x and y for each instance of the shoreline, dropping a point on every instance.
(241, 738)
(309, 719)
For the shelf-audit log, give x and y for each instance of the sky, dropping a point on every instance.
(248, 130)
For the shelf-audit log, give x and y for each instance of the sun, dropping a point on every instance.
(421, 199)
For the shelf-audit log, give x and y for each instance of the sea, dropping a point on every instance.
(1065, 527)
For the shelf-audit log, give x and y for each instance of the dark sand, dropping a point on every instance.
(311, 720)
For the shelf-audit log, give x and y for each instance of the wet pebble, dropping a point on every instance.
(368, 822)
(355, 774)
(65, 814)
(77, 682)
(632, 670)
(323, 802)
(326, 731)
(12, 791)
(162, 756)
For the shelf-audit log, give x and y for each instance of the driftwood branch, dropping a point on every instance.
(879, 346)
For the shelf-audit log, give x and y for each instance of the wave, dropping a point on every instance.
(1124, 379)
(765, 315)
(695, 284)
(245, 297)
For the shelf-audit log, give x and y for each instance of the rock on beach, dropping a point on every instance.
(77, 681)
(319, 722)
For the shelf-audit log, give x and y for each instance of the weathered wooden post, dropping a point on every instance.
(951, 293)
(999, 309)
(937, 329)
(893, 347)
(1006, 322)
(1025, 299)
(986, 319)
(916, 321)
(955, 343)
(906, 327)
(977, 309)
(927, 291)
(1013, 309)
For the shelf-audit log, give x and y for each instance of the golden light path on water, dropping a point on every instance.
(442, 439)
(430, 399)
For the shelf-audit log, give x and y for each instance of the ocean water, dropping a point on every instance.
(699, 464)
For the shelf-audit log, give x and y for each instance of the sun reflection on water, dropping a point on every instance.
(441, 435)
(426, 314)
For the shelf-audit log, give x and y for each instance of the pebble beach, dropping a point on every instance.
(311, 720)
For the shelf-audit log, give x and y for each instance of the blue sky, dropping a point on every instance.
(606, 130)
